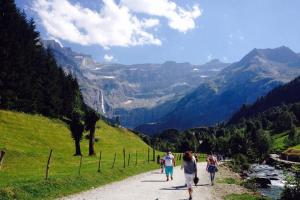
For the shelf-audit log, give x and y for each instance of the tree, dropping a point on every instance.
(292, 188)
(77, 129)
(91, 119)
(30, 79)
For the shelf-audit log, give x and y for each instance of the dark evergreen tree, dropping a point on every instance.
(77, 129)
(30, 80)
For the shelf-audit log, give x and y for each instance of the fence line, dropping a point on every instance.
(2, 154)
(99, 164)
(80, 164)
(79, 168)
(128, 159)
(48, 164)
(113, 165)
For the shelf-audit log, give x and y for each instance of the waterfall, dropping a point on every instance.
(102, 102)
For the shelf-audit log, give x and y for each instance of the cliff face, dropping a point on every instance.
(137, 93)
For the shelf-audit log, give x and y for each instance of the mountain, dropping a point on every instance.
(242, 82)
(285, 94)
(136, 93)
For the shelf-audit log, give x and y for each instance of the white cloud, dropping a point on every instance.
(178, 18)
(108, 58)
(115, 24)
(209, 57)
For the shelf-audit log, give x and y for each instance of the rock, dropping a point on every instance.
(263, 182)
(274, 179)
(244, 174)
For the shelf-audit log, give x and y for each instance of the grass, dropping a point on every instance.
(243, 197)
(27, 140)
(296, 147)
(279, 141)
(229, 181)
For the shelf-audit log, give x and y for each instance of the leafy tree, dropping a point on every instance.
(91, 119)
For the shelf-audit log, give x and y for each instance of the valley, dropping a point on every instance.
(151, 98)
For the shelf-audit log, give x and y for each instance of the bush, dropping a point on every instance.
(292, 188)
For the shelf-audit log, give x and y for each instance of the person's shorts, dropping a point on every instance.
(189, 180)
(211, 168)
(169, 170)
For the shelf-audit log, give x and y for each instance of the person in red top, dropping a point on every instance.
(211, 167)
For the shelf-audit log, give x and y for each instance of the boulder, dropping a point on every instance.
(263, 182)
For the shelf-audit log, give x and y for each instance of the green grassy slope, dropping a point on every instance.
(279, 140)
(27, 140)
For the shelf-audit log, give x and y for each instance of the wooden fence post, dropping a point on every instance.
(153, 154)
(80, 163)
(48, 165)
(136, 158)
(128, 159)
(2, 153)
(124, 159)
(113, 165)
(148, 154)
(99, 164)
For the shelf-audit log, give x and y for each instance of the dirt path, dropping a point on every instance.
(150, 186)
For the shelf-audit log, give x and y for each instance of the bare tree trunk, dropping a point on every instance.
(77, 148)
(92, 142)
(2, 153)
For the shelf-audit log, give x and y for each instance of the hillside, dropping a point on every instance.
(27, 140)
(274, 128)
(30, 80)
(216, 100)
(286, 94)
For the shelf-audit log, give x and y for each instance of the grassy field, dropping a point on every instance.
(279, 141)
(27, 140)
(296, 147)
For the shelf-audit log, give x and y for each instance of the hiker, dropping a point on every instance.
(190, 171)
(212, 167)
(169, 163)
(161, 162)
(162, 165)
(158, 159)
(196, 157)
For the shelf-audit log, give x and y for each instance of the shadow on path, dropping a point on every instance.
(156, 173)
(154, 181)
(181, 187)
(207, 184)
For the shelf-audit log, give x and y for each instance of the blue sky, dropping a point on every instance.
(154, 31)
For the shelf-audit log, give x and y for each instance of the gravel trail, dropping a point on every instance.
(150, 186)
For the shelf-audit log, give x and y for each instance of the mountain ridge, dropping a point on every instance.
(135, 93)
(242, 82)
